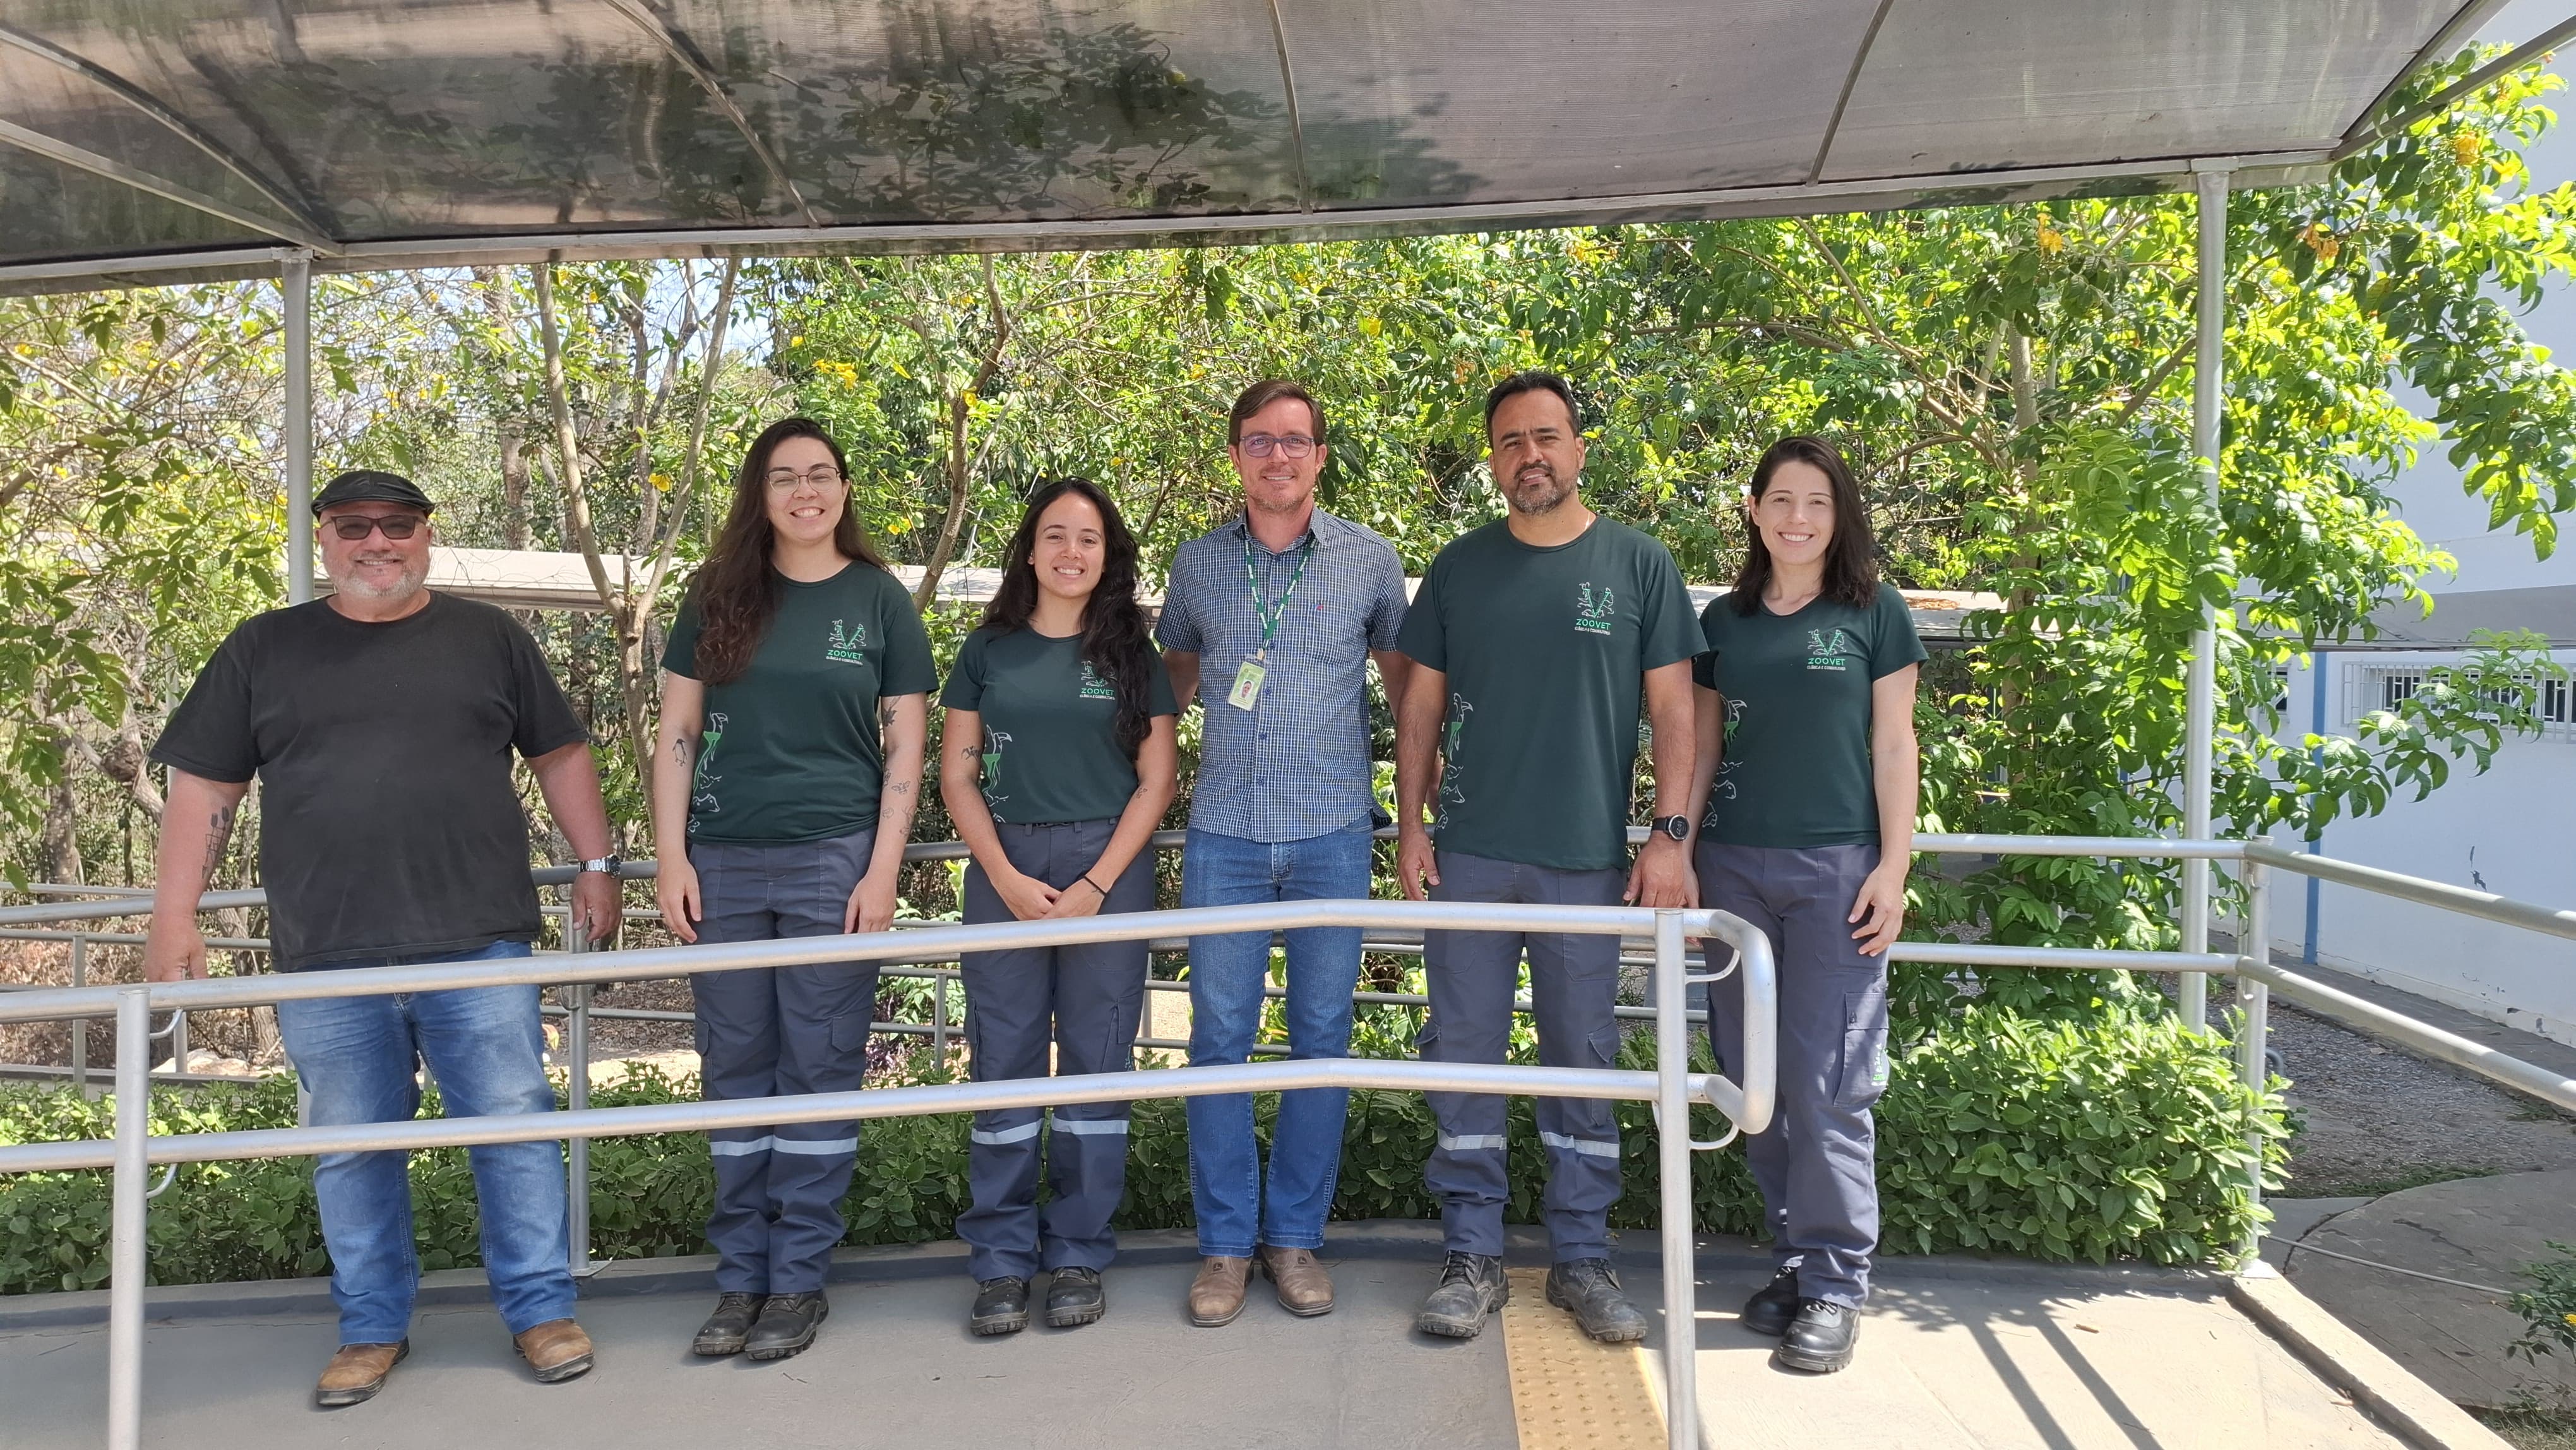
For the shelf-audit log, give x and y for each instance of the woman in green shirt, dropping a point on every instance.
(1058, 764)
(795, 699)
(1804, 788)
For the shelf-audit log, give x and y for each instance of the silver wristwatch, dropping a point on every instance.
(606, 865)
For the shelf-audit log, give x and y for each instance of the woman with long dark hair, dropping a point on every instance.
(1805, 791)
(1058, 763)
(795, 702)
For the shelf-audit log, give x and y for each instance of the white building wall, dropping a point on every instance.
(2512, 830)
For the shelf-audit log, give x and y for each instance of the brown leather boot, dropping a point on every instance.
(1305, 1289)
(1216, 1295)
(557, 1350)
(356, 1372)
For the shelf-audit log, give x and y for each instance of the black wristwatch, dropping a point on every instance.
(1677, 827)
(606, 865)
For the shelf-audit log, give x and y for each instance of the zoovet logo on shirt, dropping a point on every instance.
(849, 646)
(1094, 687)
(1828, 649)
(1594, 616)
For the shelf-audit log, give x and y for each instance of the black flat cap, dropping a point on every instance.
(371, 485)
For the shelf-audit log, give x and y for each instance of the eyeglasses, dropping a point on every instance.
(397, 527)
(1286, 445)
(821, 476)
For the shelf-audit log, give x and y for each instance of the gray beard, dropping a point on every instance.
(412, 582)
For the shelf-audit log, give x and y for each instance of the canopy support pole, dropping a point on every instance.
(295, 284)
(2200, 692)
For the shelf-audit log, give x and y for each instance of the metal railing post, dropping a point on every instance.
(80, 1025)
(1673, 1168)
(126, 1258)
(2200, 693)
(577, 1093)
(2253, 1033)
(939, 1018)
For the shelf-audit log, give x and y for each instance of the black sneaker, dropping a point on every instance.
(1001, 1306)
(1471, 1287)
(1773, 1305)
(786, 1325)
(1589, 1288)
(1820, 1339)
(1074, 1297)
(725, 1330)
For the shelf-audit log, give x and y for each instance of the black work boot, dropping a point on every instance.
(1773, 1305)
(1001, 1306)
(1074, 1297)
(786, 1325)
(1820, 1339)
(1589, 1288)
(725, 1330)
(1471, 1287)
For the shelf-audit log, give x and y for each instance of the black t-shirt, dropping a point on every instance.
(389, 822)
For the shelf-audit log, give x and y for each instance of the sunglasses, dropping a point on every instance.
(397, 527)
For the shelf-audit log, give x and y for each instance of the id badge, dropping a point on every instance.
(1246, 693)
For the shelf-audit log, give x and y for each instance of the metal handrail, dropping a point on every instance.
(1672, 1087)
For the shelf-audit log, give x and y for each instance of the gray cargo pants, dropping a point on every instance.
(775, 1032)
(1817, 1163)
(1574, 984)
(1086, 1001)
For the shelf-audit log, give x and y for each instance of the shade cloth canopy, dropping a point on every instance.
(193, 137)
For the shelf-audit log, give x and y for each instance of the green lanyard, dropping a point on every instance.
(1270, 614)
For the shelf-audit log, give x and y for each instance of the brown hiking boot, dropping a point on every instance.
(1216, 1295)
(1305, 1289)
(356, 1372)
(557, 1350)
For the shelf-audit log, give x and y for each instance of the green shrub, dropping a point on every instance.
(2057, 1140)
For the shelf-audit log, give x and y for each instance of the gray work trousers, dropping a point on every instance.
(1817, 1164)
(776, 1032)
(1574, 984)
(1086, 1001)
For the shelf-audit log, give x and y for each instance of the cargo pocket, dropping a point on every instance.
(1605, 1046)
(1424, 1040)
(850, 1029)
(1864, 1065)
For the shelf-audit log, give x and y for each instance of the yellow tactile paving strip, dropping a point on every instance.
(1568, 1392)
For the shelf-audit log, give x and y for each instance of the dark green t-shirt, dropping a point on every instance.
(1544, 649)
(790, 748)
(1050, 725)
(1796, 770)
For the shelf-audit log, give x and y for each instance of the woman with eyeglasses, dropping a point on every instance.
(1057, 764)
(795, 694)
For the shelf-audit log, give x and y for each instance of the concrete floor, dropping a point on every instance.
(1954, 1354)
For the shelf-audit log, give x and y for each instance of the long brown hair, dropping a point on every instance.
(1851, 559)
(736, 590)
(1113, 624)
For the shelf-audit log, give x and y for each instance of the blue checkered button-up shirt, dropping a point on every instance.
(1297, 764)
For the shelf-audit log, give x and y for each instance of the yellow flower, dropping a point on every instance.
(2051, 241)
(797, 341)
(2467, 147)
(1371, 326)
(2320, 241)
(662, 482)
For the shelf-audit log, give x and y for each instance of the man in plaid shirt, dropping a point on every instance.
(1277, 613)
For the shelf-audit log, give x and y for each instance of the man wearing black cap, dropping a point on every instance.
(382, 721)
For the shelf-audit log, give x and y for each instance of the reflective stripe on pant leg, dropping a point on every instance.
(1574, 985)
(1100, 995)
(1470, 976)
(824, 1010)
(1009, 1003)
(737, 1041)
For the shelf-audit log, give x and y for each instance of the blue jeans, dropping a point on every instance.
(357, 1057)
(1227, 974)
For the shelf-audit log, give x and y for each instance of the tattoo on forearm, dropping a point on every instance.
(899, 787)
(680, 749)
(219, 834)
